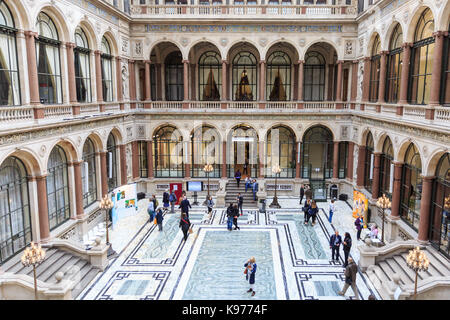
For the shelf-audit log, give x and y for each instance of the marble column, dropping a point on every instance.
(351, 147)
(71, 72)
(159, 84)
(132, 83)
(103, 173)
(135, 159)
(366, 80)
(224, 81)
(354, 88)
(301, 64)
(185, 80)
(78, 188)
(123, 164)
(403, 94)
(297, 160)
(119, 82)
(437, 70)
(224, 160)
(150, 159)
(44, 228)
(335, 159)
(340, 63)
(382, 84)
(32, 67)
(360, 169)
(98, 76)
(425, 205)
(262, 84)
(397, 184)
(376, 175)
(148, 91)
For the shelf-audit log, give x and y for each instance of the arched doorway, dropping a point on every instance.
(205, 149)
(280, 150)
(168, 153)
(243, 151)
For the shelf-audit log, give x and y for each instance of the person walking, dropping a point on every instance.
(308, 192)
(255, 189)
(331, 210)
(250, 273)
(155, 202)
(172, 200)
(248, 183)
(185, 224)
(159, 218)
(350, 278)
(237, 176)
(240, 203)
(235, 217)
(312, 213)
(335, 242)
(305, 210)
(230, 214)
(185, 205)
(302, 193)
(166, 200)
(359, 226)
(245, 171)
(347, 244)
(151, 210)
(209, 205)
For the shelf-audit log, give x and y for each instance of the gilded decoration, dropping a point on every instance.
(243, 28)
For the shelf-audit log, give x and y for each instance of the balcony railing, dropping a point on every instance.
(321, 11)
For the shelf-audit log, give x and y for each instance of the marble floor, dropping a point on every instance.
(293, 259)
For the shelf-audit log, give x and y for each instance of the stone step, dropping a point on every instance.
(437, 266)
(404, 277)
(16, 265)
(401, 260)
(381, 275)
(87, 278)
(48, 269)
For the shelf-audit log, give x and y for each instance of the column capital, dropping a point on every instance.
(366, 59)
(355, 61)
(384, 52)
(440, 34)
(301, 61)
(428, 178)
(262, 61)
(185, 61)
(147, 61)
(340, 61)
(30, 33)
(97, 52)
(131, 61)
(397, 163)
(224, 61)
(407, 44)
(70, 45)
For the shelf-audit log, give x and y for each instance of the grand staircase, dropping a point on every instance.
(232, 191)
(391, 271)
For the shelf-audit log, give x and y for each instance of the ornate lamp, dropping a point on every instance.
(33, 256)
(208, 168)
(106, 204)
(276, 170)
(383, 203)
(417, 261)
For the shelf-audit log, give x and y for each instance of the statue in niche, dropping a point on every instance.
(211, 92)
(125, 82)
(278, 93)
(128, 161)
(244, 92)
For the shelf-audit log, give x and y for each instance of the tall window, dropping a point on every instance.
(142, 153)
(245, 77)
(280, 151)
(9, 70)
(375, 70)
(209, 76)
(174, 76)
(153, 78)
(48, 61)
(343, 156)
(106, 64)
(368, 163)
(205, 149)
(278, 75)
(317, 153)
(411, 187)
(168, 153)
(440, 207)
(82, 66)
(394, 65)
(445, 83)
(422, 59)
(387, 168)
(89, 174)
(314, 77)
(57, 188)
(15, 221)
(111, 162)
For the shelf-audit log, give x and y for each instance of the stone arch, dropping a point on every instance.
(112, 42)
(330, 42)
(194, 56)
(412, 23)
(443, 19)
(117, 134)
(89, 30)
(167, 124)
(401, 151)
(207, 124)
(371, 42)
(29, 159)
(378, 144)
(387, 36)
(19, 13)
(253, 48)
(58, 18)
(281, 124)
(98, 143)
(295, 53)
(433, 161)
(155, 44)
(318, 124)
(69, 149)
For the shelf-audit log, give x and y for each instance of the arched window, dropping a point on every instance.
(343, 157)
(106, 64)
(174, 76)
(368, 163)
(89, 174)
(15, 221)
(278, 83)
(422, 60)
(168, 153)
(9, 70)
(82, 66)
(142, 154)
(205, 149)
(242, 153)
(445, 83)
(111, 162)
(209, 76)
(317, 153)
(439, 232)
(387, 168)
(245, 77)
(280, 150)
(57, 188)
(48, 61)
(411, 187)
(394, 65)
(314, 77)
(375, 69)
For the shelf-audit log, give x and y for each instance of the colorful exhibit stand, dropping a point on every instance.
(125, 202)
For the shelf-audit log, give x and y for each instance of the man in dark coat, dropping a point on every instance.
(302, 193)
(235, 217)
(255, 189)
(185, 205)
(184, 225)
(166, 199)
(237, 176)
(240, 202)
(230, 215)
(308, 193)
(347, 246)
(350, 278)
(250, 274)
(335, 242)
(159, 218)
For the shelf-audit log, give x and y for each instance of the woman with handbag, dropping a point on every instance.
(185, 225)
(250, 271)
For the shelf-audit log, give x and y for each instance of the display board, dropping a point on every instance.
(125, 202)
(360, 206)
(194, 186)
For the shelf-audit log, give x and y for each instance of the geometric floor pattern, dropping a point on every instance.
(293, 259)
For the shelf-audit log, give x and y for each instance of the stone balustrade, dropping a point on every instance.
(16, 114)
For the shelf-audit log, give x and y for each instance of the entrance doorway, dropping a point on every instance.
(243, 152)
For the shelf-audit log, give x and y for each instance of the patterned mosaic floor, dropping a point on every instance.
(293, 259)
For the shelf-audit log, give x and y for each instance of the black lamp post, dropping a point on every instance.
(275, 169)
